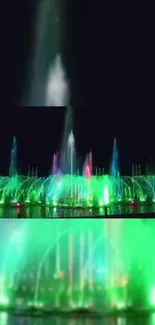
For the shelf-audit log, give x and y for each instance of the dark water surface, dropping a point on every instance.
(46, 212)
(8, 319)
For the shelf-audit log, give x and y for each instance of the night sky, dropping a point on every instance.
(108, 51)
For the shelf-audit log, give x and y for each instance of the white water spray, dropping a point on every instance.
(57, 85)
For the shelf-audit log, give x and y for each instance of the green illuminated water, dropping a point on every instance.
(76, 191)
(103, 264)
(69, 187)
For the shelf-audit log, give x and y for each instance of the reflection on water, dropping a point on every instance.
(46, 212)
(8, 319)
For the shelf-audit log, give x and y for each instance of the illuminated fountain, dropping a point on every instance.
(68, 141)
(88, 263)
(88, 167)
(55, 164)
(71, 141)
(57, 86)
(47, 77)
(115, 163)
(115, 170)
(13, 163)
(68, 188)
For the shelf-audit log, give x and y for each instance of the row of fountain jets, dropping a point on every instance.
(66, 162)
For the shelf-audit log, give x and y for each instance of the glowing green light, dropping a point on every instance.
(106, 195)
(17, 237)
(59, 185)
(76, 191)
(59, 255)
(101, 203)
(4, 300)
(121, 305)
(153, 296)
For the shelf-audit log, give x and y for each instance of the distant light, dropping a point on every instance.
(18, 204)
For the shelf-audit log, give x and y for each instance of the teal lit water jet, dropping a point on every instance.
(13, 162)
(115, 161)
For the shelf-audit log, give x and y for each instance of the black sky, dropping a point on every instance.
(108, 50)
(107, 47)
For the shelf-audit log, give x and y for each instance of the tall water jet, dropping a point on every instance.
(55, 164)
(115, 170)
(70, 160)
(46, 79)
(87, 170)
(68, 125)
(91, 162)
(13, 160)
(57, 93)
(88, 166)
(66, 134)
(115, 161)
